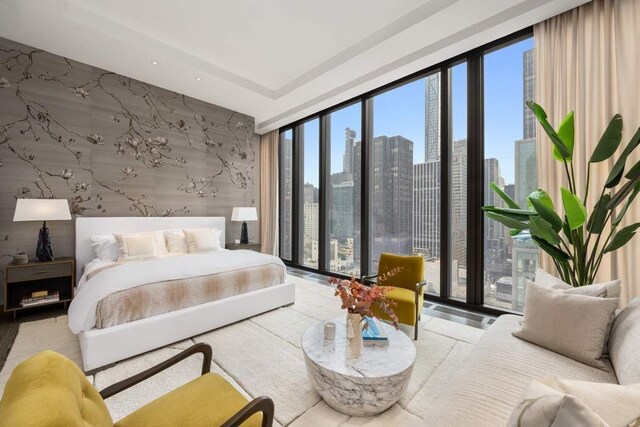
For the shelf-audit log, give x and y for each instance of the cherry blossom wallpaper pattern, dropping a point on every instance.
(113, 146)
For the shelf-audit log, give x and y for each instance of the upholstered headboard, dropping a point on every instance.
(87, 227)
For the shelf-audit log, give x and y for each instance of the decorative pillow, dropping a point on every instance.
(137, 246)
(176, 241)
(553, 402)
(603, 290)
(202, 239)
(575, 326)
(105, 247)
(624, 344)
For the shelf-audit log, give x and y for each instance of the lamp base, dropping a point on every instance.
(44, 252)
(244, 236)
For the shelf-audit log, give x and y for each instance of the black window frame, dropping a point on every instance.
(475, 176)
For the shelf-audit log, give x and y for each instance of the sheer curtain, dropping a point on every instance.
(587, 61)
(269, 192)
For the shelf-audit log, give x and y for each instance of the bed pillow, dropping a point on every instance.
(202, 239)
(137, 246)
(176, 241)
(604, 290)
(576, 403)
(105, 247)
(575, 326)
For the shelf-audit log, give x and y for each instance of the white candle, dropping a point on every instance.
(329, 331)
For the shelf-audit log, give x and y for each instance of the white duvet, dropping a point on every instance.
(82, 311)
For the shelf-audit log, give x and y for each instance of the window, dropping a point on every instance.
(405, 195)
(458, 180)
(310, 144)
(510, 163)
(286, 193)
(405, 169)
(345, 150)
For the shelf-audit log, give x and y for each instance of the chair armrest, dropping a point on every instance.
(203, 348)
(421, 285)
(364, 279)
(259, 404)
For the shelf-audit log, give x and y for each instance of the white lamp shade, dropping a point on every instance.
(42, 210)
(244, 214)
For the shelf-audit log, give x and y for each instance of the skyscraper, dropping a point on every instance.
(286, 175)
(342, 210)
(348, 159)
(529, 90)
(526, 169)
(432, 123)
(426, 209)
(392, 204)
(458, 219)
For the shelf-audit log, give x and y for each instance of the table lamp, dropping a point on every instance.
(244, 215)
(42, 210)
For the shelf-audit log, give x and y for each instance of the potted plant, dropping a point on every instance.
(578, 239)
(358, 299)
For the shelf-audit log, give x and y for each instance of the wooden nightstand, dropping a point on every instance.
(249, 246)
(22, 280)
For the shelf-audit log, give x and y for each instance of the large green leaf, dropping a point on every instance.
(543, 196)
(555, 252)
(618, 168)
(599, 215)
(566, 230)
(542, 229)
(518, 214)
(541, 115)
(609, 141)
(547, 213)
(574, 209)
(508, 200)
(509, 222)
(622, 237)
(634, 172)
(621, 214)
(565, 132)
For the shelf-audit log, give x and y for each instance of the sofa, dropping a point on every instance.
(487, 388)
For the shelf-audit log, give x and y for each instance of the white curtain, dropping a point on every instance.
(269, 192)
(587, 61)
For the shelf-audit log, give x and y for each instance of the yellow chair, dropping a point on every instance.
(403, 277)
(48, 390)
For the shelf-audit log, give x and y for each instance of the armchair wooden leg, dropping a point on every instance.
(415, 337)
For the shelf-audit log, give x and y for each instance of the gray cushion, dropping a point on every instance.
(624, 344)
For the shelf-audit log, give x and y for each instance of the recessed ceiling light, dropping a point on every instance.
(198, 78)
(154, 62)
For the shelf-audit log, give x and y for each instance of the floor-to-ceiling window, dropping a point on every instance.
(509, 163)
(343, 195)
(405, 168)
(458, 180)
(286, 193)
(310, 142)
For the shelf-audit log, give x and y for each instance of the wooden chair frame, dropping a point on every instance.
(260, 404)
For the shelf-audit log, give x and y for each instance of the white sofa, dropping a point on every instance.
(485, 391)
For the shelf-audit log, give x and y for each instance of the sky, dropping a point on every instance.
(401, 111)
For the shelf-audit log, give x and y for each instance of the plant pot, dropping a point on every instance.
(354, 335)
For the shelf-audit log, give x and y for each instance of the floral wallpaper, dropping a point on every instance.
(113, 146)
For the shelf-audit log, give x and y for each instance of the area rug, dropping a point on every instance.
(262, 356)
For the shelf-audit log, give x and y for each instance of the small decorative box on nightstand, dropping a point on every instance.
(249, 246)
(38, 283)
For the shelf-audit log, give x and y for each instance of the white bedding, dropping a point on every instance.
(82, 311)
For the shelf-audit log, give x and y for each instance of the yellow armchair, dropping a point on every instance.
(50, 390)
(403, 277)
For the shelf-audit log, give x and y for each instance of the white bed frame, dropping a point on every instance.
(101, 347)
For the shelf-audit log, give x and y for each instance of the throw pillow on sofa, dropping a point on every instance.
(576, 403)
(604, 290)
(575, 326)
(624, 344)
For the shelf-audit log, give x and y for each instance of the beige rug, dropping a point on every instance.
(262, 356)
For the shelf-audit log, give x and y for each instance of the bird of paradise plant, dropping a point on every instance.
(577, 241)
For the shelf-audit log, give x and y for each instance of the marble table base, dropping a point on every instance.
(365, 386)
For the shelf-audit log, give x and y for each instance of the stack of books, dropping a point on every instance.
(374, 334)
(39, 297)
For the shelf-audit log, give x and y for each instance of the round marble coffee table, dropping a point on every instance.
(364, 386)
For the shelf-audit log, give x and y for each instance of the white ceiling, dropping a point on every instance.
(276, 60)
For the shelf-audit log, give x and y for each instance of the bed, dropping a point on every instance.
(124, 309)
